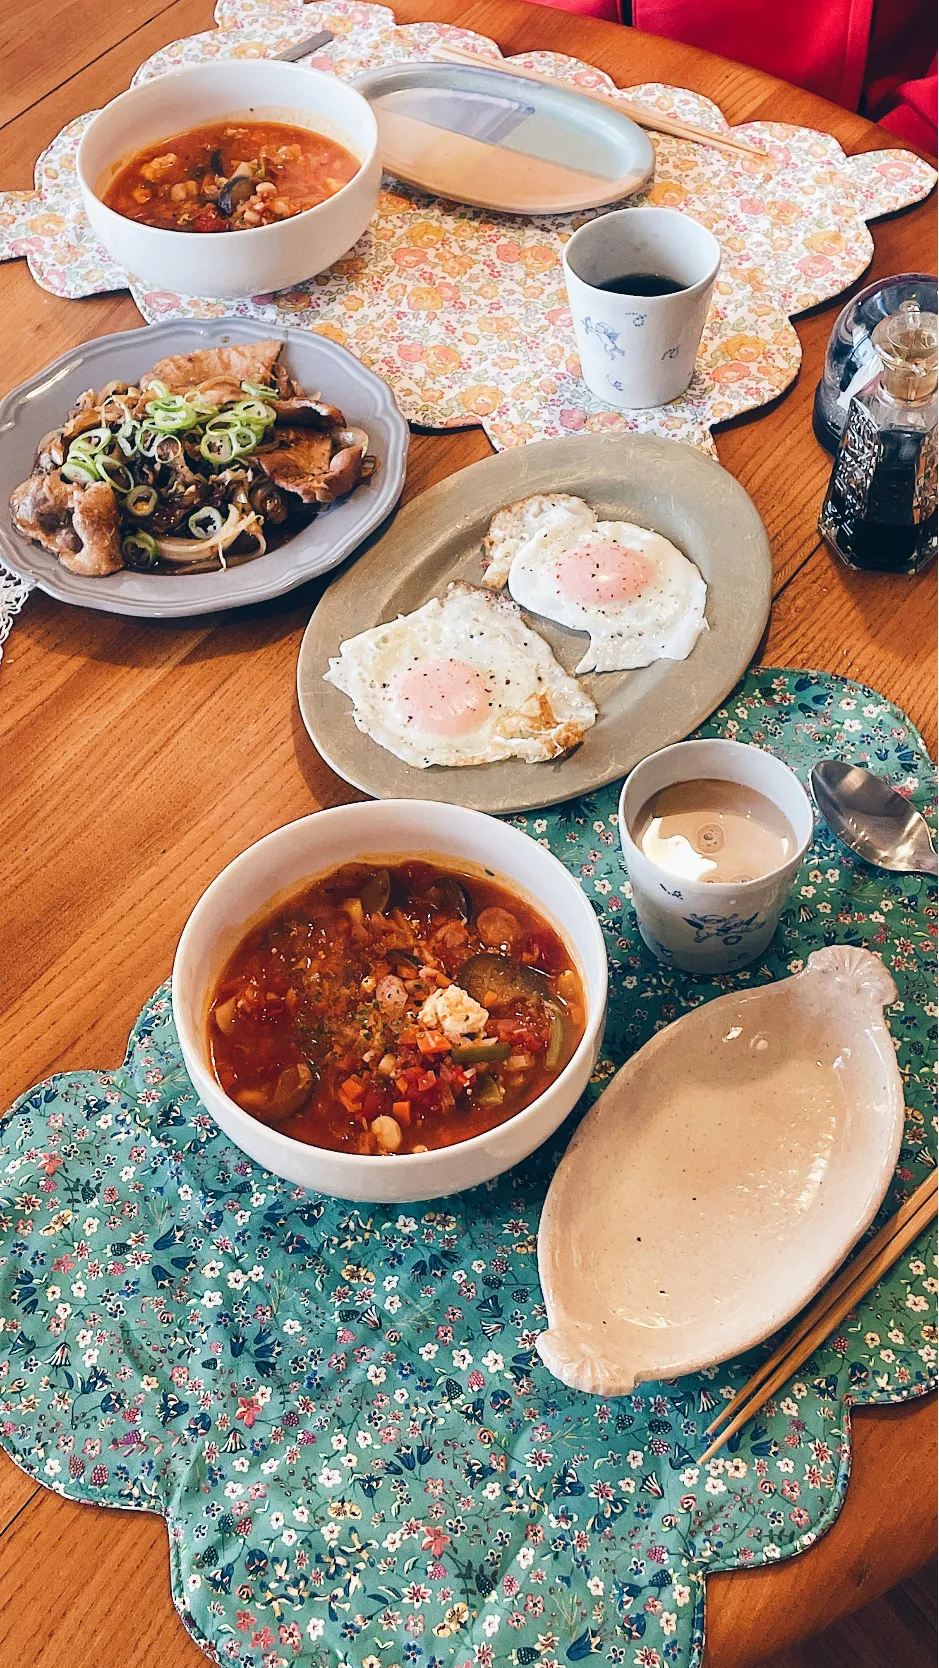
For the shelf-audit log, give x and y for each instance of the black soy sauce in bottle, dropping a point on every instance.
(879, 512)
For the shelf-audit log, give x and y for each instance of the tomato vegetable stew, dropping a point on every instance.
(231, 176)
(395, 1010)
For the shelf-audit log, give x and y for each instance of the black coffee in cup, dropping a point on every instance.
(641, 283)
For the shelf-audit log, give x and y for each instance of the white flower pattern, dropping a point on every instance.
(464, 313)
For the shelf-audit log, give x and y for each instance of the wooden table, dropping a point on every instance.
(137, 759)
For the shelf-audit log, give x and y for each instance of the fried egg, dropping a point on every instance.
(511, 527)
(638, 597)
(461, 681)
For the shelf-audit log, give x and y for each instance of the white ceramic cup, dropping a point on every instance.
(639, 350)
(711, 926)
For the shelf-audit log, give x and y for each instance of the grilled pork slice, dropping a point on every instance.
(300, 461)
(78, 524)
(96, 520)
(41, 511)
(237, 363)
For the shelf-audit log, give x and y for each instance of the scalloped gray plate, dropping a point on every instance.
(40, 404)
(641, 478)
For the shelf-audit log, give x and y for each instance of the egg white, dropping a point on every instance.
(535, 710)
(663, 622)
(512, 526)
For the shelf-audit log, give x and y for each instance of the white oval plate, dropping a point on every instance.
(39, 405)
(722, 1177)
(496, 141)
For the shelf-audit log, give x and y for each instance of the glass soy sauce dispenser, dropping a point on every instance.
(880, 508)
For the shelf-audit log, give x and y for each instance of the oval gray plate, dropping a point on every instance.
(496, 141)
(641, 478)
(40, 404)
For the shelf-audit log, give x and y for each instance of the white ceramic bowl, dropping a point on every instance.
(236, 263)
(278, 865)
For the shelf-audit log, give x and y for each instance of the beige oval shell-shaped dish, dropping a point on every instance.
(722, 1177)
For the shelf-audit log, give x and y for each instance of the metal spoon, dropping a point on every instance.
(874, 821)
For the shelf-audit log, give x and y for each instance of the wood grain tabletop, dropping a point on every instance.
(136, 759)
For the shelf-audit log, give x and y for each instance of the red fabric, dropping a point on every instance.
(909, 110)
(870, 55)
(817, 44)
(607, 9)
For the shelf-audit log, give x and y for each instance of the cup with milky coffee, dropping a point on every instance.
(713, 834)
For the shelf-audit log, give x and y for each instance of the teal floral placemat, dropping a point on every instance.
(339, 1409)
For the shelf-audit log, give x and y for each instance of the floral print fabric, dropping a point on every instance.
(339, 1408)
(463, 312)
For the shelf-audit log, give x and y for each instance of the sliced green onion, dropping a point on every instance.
(92, 440)
(83, 459)
(256, 412)
(142, 501)
(218, 447)
(126, 437)
(147, 440)
(115, 473)
(160, 389)
(199, 403)
(168, 402)
(205, 523)
(221, 423)
(260, 391)
(139, 550)
(171, 420)
(83, 471)
(244, 439)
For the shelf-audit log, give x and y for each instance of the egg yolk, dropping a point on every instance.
(603, 572)
(444, 697)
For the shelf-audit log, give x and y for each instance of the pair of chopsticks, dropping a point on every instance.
(642, 114)
(828, 1310)
(302, 49)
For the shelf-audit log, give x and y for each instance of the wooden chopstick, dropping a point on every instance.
(837, 1301)
(827, 1298)
(642, 114)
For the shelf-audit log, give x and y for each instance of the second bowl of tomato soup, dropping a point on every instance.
(239, 178)
(391, 1001)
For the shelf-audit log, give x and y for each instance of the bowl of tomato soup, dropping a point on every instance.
(391, 1001)
(231, 178)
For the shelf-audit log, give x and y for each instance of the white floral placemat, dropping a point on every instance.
(463, 311)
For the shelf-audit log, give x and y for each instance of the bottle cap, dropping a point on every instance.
(908, 345)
